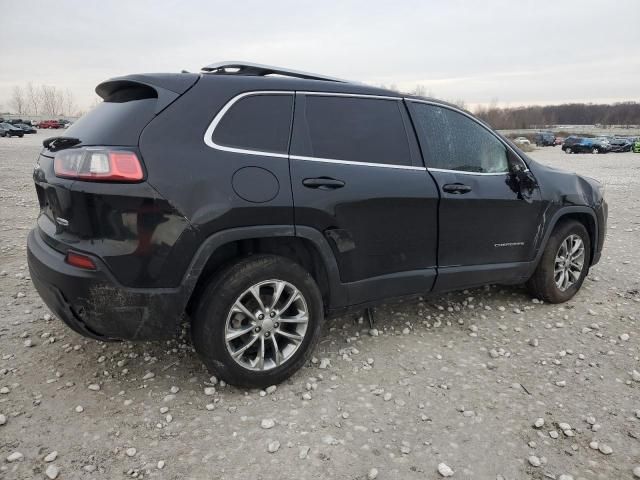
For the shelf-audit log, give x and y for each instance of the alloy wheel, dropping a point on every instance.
(569, 262)
(266, 325)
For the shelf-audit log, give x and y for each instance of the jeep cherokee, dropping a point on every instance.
(258, 203)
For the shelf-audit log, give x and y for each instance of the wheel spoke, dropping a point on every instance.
(260, 357)
(278, 355)
(575, 275)
(240, 308)
(276, 294)
(238, 333)
(238, 353)
(294, 296)
(255, 291)
(577, 245)
(560, 279)
(292, 336)
(300, 318)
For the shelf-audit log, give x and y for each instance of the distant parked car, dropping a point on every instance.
(558, 141)
(544, 139)
(50, 124)
(521, 141)
(8, 130)
(25, 128)
(574, 144)
(620, 144)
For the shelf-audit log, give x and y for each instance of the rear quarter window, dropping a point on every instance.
(260, 122)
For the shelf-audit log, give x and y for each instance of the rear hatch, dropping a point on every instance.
(103, 217)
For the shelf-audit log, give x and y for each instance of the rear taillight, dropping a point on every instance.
(98, 165)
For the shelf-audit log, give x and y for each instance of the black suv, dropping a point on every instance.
(259, 204)
(545, 139)
(9, 130)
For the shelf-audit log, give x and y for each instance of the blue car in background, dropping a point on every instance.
(575, 144)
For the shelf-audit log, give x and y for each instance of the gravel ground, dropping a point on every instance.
(487, 384)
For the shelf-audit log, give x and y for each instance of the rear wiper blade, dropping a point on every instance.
(57, 143)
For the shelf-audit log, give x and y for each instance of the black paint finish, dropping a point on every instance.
(366, 231)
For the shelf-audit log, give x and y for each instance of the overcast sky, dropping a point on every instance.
(518, 52)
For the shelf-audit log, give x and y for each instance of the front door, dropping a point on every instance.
(357, 177)
(488, 227)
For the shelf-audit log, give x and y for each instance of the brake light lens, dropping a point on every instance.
(80, 261)
(98, 165)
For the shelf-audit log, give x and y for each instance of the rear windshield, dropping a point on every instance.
(111, 123)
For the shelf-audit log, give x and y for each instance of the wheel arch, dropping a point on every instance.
(304, 245)
(583, 214)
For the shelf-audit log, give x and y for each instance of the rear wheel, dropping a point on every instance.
(258, 321)
(595, 150)
(564, 263)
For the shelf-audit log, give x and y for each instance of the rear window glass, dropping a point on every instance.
(114, 123)
(257, 122)
(357, 129)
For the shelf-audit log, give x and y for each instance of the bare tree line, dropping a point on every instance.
(42, 100)
(505, 118)
(624, 113)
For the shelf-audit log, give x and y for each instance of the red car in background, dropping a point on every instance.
(50, 124)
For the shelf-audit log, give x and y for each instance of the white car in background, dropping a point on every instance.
(521, 141)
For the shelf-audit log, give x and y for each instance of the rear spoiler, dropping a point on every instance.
(165, 87)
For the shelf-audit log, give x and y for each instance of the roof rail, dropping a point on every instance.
(247, 68)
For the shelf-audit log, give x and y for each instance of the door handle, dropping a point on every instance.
(323, 183)
(457, 188)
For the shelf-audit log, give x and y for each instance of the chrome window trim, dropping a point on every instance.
(353, 162)
(472, 118)
(208, 134)
(463, 172)
(354, 95)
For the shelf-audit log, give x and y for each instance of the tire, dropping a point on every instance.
(542, 283)
(568, 150)
(214, 316)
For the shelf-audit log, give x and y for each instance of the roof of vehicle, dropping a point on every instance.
(254, 76)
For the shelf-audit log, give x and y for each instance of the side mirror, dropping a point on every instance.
(523, 177)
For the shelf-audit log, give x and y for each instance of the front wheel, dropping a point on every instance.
(568, 150)
(564, 263)
(258, 321)
(595, 150)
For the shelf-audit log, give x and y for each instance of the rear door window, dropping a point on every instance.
(355, 129)
(260, 122)
(453, 141)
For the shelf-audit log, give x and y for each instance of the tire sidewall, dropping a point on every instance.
(217, 300)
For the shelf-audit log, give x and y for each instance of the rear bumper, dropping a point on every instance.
(92, 302)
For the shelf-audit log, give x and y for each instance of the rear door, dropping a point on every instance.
(488, 227)
(358, 178)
